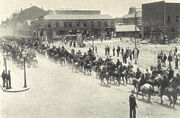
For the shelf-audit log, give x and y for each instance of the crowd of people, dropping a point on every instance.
(162, 58)
(125, 53)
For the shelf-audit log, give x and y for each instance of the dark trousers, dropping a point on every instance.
(4, 82)
(113, 53)
(176, 64)
(118, 54)
(132, 113)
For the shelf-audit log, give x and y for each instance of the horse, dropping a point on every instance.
(145, 89)
(104, 74)
(87, 67)
(169, 90)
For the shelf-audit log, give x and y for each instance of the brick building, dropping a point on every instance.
(161, 16)
(63, 22)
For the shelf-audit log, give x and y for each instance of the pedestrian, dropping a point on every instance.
(164, 60)
(133, 105)
(170, 59)
(74, 45)
(3, 78)
(137, 53)
(8, 80)
(175, 50)
(96, 49)
(122, 51)
(113, 51)
(130, 57)
(125, 58)
(108, 50)
(176, 62)
(118, 50)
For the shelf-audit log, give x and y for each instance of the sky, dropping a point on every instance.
(115, 8)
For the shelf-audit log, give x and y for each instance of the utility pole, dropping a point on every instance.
(135, 28)
(164, 20)
(135, 34)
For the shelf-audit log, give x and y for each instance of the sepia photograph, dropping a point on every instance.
(90, 58)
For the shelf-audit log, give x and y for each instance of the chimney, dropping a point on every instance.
(21, 9)
(42, 8)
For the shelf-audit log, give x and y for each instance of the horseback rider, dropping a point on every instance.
(171, 73)
(138, 73)
(147, 75)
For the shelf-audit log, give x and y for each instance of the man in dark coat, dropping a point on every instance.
(3, 78)
(133, 105)
(118, 50)
(170, 59)
(9, 80)
(176, 62)
(113, 51)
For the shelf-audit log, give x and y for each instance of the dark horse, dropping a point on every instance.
(169, 90)
(87, 67)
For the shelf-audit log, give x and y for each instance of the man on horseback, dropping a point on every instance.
(138, 73)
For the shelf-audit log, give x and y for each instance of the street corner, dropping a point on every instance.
(15, 90)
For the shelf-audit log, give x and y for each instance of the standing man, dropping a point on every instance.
(3, 78)
(176, 62)
(9, 79)
(96, 49)
(164, 60)
(170, 59)
(133, 105)
(108, 50)
(113, 51)
(118, 50)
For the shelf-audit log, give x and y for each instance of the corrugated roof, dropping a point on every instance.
(74, 17)
(126, 28)
(139, 14)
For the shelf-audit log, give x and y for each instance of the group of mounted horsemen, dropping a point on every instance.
(117, 73)
(14, 49)
(110, 72)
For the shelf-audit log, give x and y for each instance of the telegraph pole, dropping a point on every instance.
(164, 20)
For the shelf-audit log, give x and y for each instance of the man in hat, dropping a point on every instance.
(3, 78)
(133, 105)
(8, 80)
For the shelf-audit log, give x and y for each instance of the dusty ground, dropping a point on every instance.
(57, 92)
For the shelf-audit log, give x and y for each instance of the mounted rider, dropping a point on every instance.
(138, 73)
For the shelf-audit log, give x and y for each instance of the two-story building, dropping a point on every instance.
(65, 22)
(163, 17)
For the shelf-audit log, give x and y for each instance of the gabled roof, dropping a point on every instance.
(75, 17)
(126, 28)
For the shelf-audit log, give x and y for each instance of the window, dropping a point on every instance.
(78, 24)
(70, 24)
(169, 19)
(65, 24)
(105, 23)
(99, 23)
(84, 24)
(92, 24)
(177, 18)
(57, 24)
(112, 23)
(49, 25)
